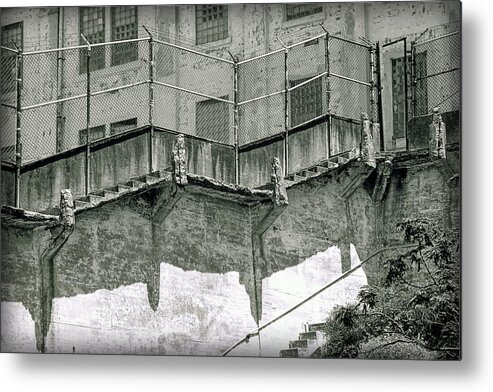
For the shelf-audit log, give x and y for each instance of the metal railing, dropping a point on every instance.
(435, 73)
(56, 100)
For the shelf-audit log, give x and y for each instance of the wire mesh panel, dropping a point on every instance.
(350, 78)
(117, 111)
(261, 84)
(261, 118)
(39, 132)
(307, 75)
(437, 74)
(193, 93)
(8, 76)
(192, 114)
(7, 132)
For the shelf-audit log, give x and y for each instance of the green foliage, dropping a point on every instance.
(415, 309)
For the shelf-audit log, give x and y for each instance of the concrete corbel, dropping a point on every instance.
(438, 136)
(357, 174)
(279, 203)
(59, 236)
(384, 171)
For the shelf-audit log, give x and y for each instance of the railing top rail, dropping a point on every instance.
(9, 49)
(306, 40)
(338, 279)
(436, 38)
(193, 51)
(84, 46)
(350, 41)
(261, 56)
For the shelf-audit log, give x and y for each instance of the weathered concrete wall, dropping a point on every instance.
(419, 136)
(208, 159)
(40, 184)
(198, 281)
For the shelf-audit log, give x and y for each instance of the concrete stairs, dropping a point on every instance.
(101, 196)
(308, 345)
(316, 170)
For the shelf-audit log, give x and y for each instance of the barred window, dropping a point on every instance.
(122, 126)
(10, 33)
(91, 25)
(124, 26)
(95, 133)
(212, 23)
(212, 120)
(295, 11)
(306, 101)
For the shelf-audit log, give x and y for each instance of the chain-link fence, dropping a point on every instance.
(193, 93)
(8, 103)
(436, 74)
(75, 96)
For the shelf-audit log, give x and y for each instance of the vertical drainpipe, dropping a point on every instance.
(18, 144)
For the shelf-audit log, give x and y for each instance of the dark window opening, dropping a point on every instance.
(123, 27)
(306, 101)
(91, 25)
(398, 92)
(211, 23)
(10, 34)
(95, 133)
(122, 126)
(295, 11)
(212, 120)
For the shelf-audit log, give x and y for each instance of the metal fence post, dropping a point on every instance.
(413, 79)
(286, 109)
(88, 117)
(327, 93)
(406, 104)
(235, 121)
(378, 77)
(151, 100)
(18, 144)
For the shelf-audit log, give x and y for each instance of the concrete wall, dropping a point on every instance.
(197, 282)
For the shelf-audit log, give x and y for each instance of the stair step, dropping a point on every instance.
(297, 178)
(316, 327)
(105, 194)
(339, 160)
(288, 183)
(298, 343)
(81, 204)
(320, 169)
(135, 183)
(308, 173)
(94, 199)
(289, 353)
(312, 335)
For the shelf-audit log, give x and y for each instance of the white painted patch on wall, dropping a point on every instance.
(198, 314)
(286, 288)
(17, 328)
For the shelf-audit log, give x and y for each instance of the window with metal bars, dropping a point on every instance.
(10, 34)
(295, 11)
(123, 27)
(122, 126)
(211, 23)
(91, 25)
(306, 101)
(212, 120)
(95, 133)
